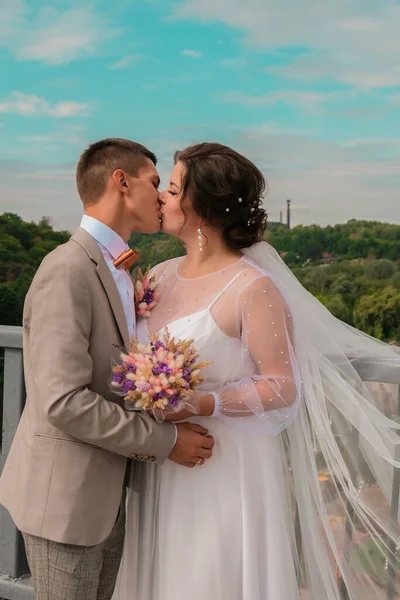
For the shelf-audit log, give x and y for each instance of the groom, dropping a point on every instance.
(63, 481)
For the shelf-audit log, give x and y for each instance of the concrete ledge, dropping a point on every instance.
(16, 589)
(10, 336)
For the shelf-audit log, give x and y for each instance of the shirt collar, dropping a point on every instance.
(104, 235)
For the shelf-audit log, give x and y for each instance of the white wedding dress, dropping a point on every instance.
(281, 361)
(224, 530)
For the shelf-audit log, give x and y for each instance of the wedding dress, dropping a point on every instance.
(287, 392)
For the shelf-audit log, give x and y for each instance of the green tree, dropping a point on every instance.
(338, 307)
(8, 304)
(380, 269)
(343, 286)
(378, 314)
(395, 281)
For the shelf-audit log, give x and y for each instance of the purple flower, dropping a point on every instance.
(158, 396)
(158, 345)
(148, 296)
(131, 368)
(187, 373)
(174, 400)
(118, 377)
(162, 367)
(128, 386)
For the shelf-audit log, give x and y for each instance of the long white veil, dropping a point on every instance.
(343, 450)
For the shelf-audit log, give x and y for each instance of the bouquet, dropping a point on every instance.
(161, 375)
(146, 295)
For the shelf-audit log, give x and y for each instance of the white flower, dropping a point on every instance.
(179, 361)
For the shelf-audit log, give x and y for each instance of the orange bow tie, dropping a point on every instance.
(127, 259)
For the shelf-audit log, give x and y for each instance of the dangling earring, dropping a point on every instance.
(200, 239)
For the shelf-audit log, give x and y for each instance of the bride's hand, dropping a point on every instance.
(170, 417)
(180, 415)
(203, 407)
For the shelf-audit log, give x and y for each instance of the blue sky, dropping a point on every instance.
(311, 94)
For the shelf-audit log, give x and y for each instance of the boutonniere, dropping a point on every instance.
(146, 295)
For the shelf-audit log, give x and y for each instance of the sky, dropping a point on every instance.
(309, 91)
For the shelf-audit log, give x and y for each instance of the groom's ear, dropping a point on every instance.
(120, 180)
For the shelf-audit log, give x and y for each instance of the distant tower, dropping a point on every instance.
(281, 218)
(288, 213)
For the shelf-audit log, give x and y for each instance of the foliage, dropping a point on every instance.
(379, 314)
(353, 268)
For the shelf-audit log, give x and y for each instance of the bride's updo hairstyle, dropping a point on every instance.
(226, 190)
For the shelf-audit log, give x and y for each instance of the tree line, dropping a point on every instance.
(352, 268)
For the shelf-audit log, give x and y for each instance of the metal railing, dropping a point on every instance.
(370, 370)
(14, 573)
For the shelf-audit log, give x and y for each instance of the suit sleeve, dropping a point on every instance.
(61, 366)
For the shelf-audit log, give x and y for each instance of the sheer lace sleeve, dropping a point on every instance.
(272, 392)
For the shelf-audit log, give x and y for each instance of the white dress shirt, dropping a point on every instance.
(111, 246)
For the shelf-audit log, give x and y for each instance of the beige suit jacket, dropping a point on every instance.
(64, 475)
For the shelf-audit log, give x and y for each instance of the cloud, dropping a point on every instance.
(69, 134)
(37, 190)
(52, 36)
(11, 14)
(126, 61)
(192, 53)
(309, 101)
(328, 182)
(352, 41)
(30, 105)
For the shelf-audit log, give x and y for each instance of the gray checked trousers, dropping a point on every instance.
(67, 572)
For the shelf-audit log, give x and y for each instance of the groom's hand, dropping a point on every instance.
(193, 445)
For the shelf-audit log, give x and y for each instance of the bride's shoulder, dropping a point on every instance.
(257, 283)
(253, 275)
(165, 266)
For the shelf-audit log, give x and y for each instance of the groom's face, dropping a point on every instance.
(142, 200)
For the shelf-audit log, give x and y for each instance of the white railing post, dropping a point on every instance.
(13, 563)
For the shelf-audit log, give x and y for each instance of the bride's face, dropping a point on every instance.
(178, 218)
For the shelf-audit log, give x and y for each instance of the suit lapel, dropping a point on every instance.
(114, 298)
(89, 244)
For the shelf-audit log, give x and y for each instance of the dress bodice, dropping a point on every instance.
(225, 352)
(238, 322)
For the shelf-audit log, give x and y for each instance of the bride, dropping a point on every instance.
(281, 397)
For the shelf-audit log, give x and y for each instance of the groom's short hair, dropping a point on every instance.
(99, 161)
